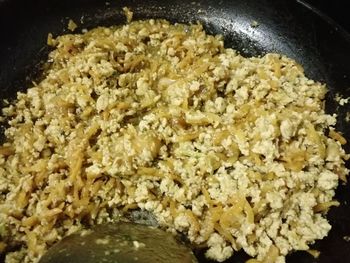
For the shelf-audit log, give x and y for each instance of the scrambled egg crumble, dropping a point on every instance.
(234, 152)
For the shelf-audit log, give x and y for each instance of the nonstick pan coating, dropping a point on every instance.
(288, 27)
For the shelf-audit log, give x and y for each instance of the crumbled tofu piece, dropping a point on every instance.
(327, 180)
(71, 25)
(218, 249)
(342, 101)
(287, 129)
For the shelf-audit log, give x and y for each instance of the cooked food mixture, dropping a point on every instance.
(234, 152)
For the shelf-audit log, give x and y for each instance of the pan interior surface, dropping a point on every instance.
(285, 27)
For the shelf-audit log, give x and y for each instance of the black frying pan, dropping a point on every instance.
(289, 27)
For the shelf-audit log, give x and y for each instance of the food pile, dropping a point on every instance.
(234, 152)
